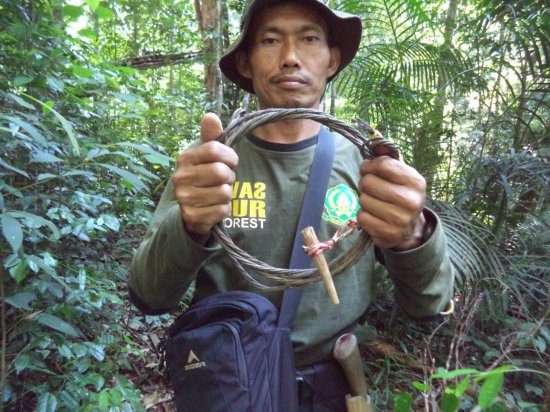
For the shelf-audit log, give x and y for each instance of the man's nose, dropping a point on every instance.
(289, 55)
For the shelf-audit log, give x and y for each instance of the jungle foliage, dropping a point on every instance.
(98, 97)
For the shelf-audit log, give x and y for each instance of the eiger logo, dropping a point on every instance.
(193, 362)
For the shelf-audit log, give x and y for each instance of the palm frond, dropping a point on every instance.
(471, 249)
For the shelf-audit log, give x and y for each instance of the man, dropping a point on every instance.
(287, 52)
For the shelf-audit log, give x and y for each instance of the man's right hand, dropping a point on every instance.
(203, 180)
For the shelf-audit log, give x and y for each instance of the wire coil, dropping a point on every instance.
(372, 146)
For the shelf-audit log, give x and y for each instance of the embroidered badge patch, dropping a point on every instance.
(341, 205)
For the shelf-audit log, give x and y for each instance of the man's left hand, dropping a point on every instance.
(392, 200)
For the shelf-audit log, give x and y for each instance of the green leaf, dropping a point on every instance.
(44, 176)
(113, 298)
(104, 13)
(81, 279)
(490, 390)
(12, 231)
(47, 108)
(21, 362)
(526, 405)
(21, 300)
(96, 350)
(55, 84)
(20, 271)
(21, 80)
(534, 389)
(46, 403)
(83, 72)
(143, 148)
(58, 324)
(449, 402)
(540, 344)
(14, 169)
(461, 387)
(55, 290)
(96, 153)
(66, 352)
(69, 400)
(7, 393)
(36, 264)
(43, 157)
(402, 402)
(20, 101)
(110, 221)
(35, 221)
(132, 116)
(496, 371)
(126, 97)
(116, 396)
(129, 177)
(421, 386)
(93, 4)
(104, 399)
(66, 125)
(88, 33)
(35, 134)
(99, 382)
(158, 159)
(126, 407)
(72, 12)
(444, 374)
(77, 172)
(545, 331)
(17, 134)
(79, 350)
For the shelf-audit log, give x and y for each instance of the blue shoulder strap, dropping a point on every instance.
(312, 208)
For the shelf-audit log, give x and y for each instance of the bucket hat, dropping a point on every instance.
(344, 32)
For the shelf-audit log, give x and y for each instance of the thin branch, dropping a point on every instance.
(154, 61)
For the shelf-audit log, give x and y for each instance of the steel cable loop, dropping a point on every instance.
(243, 123)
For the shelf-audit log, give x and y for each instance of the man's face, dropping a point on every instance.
(289, 59)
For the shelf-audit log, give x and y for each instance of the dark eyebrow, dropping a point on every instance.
(303, 29)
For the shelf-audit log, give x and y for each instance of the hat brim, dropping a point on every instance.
(345, 34)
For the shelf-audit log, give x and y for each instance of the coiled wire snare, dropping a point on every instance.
(372, 146)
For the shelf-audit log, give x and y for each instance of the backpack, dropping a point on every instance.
(226, 353)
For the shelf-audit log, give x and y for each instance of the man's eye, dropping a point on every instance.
(269, 40)
(311, 39)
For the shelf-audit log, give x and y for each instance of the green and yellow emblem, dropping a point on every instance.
(341, 205)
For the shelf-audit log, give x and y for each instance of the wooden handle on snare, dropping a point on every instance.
(309, 236)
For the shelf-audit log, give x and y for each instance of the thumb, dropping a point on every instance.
(211, 127)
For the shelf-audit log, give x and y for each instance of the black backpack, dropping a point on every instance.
(226, 353)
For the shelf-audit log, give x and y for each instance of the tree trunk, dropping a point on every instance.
(135, 31)
(426, 153)
(208, 15)
(520, 113)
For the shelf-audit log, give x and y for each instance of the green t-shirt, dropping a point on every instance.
(267, 198)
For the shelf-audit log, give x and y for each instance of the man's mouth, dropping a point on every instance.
(290, 81)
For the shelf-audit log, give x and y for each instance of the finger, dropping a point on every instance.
(199, 220)
(205, 175)
(211, 127)
(375, 186)
(210, 152)
(382, 234)
(201, 197)
(391, 215)
(392, 170)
